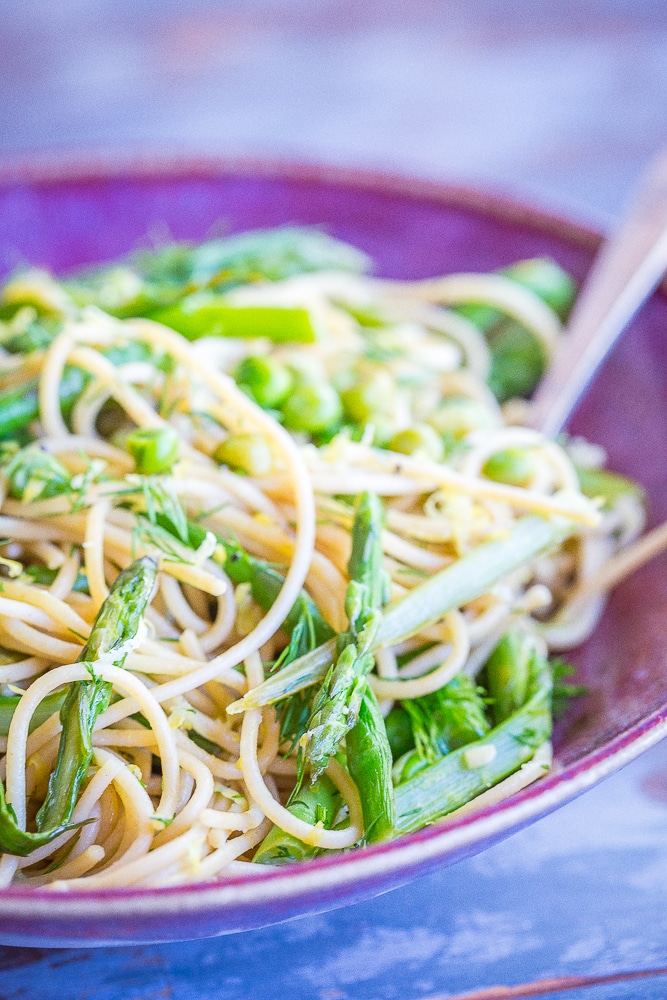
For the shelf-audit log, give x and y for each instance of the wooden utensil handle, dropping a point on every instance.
(626, 271)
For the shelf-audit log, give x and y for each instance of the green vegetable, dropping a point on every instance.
(540, 275)
(293, 713)
(508, 671)
(514, 466)
(441, 722)
(266, 380)
(205, 314)
(262, 254)
(20, 406)
(337, 703)
(464, 773)
(315, 803)
(44, 577)
(52, 703)
(369, 398)
(610, 486)
(34, 474)
(154, 449)
(399, 732)
(467, 578)
(518, 361)
(563, 690)
(116, 625)
(547, 280)
(458, 416)
(312, 408)
(265, 581)
(420, 439)
(369, 763)
(249, 454)
(35, 336)
(304, 623)
(517, 357)
(152, 280)
(336, 707)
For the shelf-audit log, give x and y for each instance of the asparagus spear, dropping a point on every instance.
(315, 803)
(452, 587)
(464, 773)
(206, 314)
(507, 673)
(345, 707)
(151, 280)
(114, 630)
(369, 763)
(336, 706)
(399, 732)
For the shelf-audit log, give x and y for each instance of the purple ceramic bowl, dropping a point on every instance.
(63, 215)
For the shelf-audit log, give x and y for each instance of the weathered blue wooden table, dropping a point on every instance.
(563, 99)
(574, 905)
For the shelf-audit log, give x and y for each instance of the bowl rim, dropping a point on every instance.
(406, 853)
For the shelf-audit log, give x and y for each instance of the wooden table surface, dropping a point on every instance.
(563, 100)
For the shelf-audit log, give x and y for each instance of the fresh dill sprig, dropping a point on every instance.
(562, 690)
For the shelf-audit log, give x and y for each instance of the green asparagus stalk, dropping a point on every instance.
(116, 626)
(336, 706)
(151, 280)
(315, 803)
(507, 673)
(369, 763)
(399, 732)
(206, 314)
(464, 773)
(464, 580)
(114, 630)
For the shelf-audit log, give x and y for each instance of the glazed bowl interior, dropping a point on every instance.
(65, 215)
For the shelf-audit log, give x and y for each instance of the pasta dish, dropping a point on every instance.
(283, 570)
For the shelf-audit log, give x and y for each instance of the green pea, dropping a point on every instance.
(154, 449)
(312, 408)
(514, 466)
(458, 416)
(367, 399)
(246, 453)
(544, 277)
(420, 439)
(266, 380)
